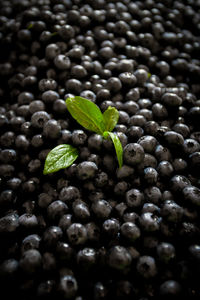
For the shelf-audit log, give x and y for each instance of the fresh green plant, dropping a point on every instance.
(88, 115)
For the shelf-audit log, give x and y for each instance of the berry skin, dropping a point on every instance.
(171, 211)
(52, 235)
(86, 170)
(170, 288)
(146, 266)
(31, 261)
(9, 268)
(192, 194)
(86, 258)
(39, 118)
(133, 154)
(119, 258)
(111, 227)
(68, 287)
(165, 252)
(134, 198)
(9, 223)
(149, 222)
(130, 231)
(101, 209)
(77, 234)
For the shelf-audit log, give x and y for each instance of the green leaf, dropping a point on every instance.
(86, 113)
(60, 157)
(117, 145)
(111, 116)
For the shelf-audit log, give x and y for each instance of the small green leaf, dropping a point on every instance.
(149, 75)
(60, 157)
(86, 113)
(117, 145)
(111, 116)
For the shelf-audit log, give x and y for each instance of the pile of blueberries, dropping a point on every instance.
(94, 231)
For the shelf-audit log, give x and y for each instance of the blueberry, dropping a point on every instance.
(62, 62)
(100, 291)
(51, 129)
(101, 209)
(56, 209)
(150, 207)
(7, 139)
(49, 97)
(178, 183)
(31, 261)
(114, 84)
(101, 180)
(93, 232)
(86, 170)
(81, 210)
(7, 198)
(141, 76)
(148, 143)
(39, 118)
(34, 165)
(21, 142)
(194, 163)
(172, 211)
(153, 194)
(179, 165)
(165, 169)
(47, 84)
(28, 221)
(67, 194)
(111, 227)
(150, 175)
(190, 146)
(119, 258)
(195, 252)
(9, 268)
(66, 32)
(78, 137)
(44, 200)
(65, 221)
(124, 172)
(171, 100)
(30, 242)
(14, 183)
(130, 231)
(51, 51)
(192, 194)
(45, 288)
(8, 156)
(170, 288)
(146, 266)
(165, 252)
(149, 222)
(74, 86)
(133, 154)
(134, 198)
(52, 235)
(77, 234)
(68, 287)
(174, 140)
(9, 223)
(64, 252)
(86, 258)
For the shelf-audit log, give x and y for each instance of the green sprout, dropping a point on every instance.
(88, 115)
